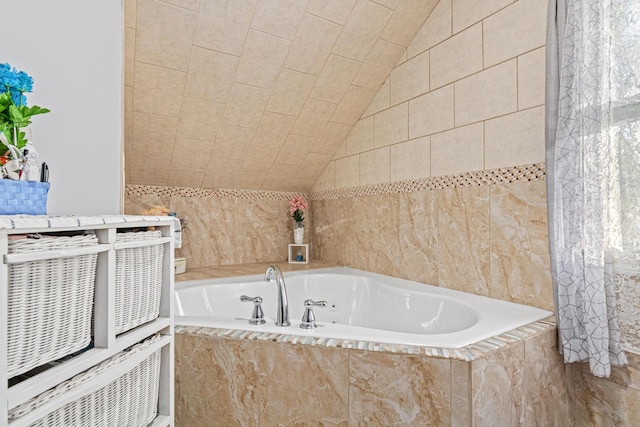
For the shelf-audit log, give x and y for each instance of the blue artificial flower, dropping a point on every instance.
(16, 83)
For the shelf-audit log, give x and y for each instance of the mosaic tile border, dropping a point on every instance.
(207, 193)
(508, 175)
(467, 354)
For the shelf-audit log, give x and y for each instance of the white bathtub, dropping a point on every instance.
(362, 307)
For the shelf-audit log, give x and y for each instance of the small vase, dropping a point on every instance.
(298, 233)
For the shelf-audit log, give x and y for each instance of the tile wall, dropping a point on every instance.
(225, 226)
(467, 96)
(264, 383)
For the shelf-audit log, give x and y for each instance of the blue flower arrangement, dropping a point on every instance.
(14, 112)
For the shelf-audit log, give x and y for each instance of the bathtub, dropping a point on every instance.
(361, 306)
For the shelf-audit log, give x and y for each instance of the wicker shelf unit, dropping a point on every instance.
(101, 286)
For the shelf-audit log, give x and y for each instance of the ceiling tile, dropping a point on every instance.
(200, 119)
(246, 105)
(378, 64)
(290, 92)
(164, 34)
(334, 78)
(223, 25)
(312, 44)
(362, 29)
(190, 153)
(279, 17)
(272, 130)
(353, 104)
(407, 20)
(261, 59)
(210, 75)
(337, 11)
(155, 87)
(313, 117)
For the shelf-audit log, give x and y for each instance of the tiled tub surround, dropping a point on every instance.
(362, 306)
(226, 377)
(483, 233)
(226, 227)
(253, 378)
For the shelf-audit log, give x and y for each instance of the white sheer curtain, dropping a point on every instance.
(593, 169)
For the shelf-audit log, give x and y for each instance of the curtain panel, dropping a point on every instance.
(593, 158)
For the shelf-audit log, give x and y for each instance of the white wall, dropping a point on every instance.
(73, 49)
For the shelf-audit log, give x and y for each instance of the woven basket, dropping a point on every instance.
(49, 303)
(23, 197)
(131, 400)
(138, 281)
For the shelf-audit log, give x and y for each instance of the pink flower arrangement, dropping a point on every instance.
(297, 205)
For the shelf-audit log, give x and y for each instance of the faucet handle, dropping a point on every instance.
(308, 318)
(257, 316)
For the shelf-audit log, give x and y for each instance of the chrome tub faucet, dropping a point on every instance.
(273, 271)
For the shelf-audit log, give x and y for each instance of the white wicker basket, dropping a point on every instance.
(130, 400)
(138, 280)
(50, 302)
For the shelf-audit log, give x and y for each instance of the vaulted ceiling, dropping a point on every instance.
(253, 94)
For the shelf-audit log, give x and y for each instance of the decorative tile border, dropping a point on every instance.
(468, 353)
(532, 172)
(509, 175)
(207, 193)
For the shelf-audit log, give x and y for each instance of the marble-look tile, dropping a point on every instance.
(195, 246)
(520, 265)
(600, 401)
(218, 381)
(400, 390)
(498, 387)
(463, 223)
(378, 225)
(460, 393)
(303, 385)
(226, 243)
(546, 400)
(418, 236)
(266, 232)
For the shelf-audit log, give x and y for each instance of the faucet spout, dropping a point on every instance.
(282, 318)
